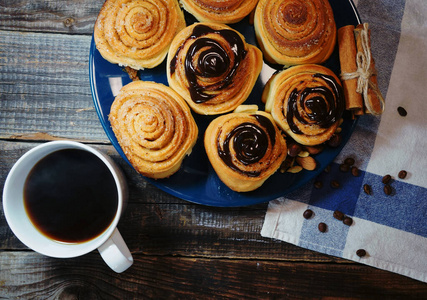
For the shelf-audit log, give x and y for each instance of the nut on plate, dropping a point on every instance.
(307, 163)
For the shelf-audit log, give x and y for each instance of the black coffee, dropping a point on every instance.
(71, 196)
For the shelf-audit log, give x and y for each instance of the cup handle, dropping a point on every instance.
(116, 253)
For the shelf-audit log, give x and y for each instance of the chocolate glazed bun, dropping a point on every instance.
(137, 33)
(212, 67)
(292, 32)
(245, 149)
(306, 101)
(226, 12)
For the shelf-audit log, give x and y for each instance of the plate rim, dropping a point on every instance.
(186, 197)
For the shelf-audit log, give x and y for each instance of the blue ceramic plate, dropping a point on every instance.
(196, 181)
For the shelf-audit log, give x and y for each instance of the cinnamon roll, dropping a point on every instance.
(245, 149)
(153, 126)
(226, 12)
(137, 33)
(292, 32)
(306, 101)
(212, 67)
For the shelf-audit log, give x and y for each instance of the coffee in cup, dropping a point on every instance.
(64, 199)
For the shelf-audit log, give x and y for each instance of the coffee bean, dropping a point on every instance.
(367, 189)
(361, 252)
(402, 111)
(307, 213)
(327, 169)
(347, 221)
(344, 167)
(338, 215)
(355, 171)
(386, 179)
(322, 227)
(349, 161)
(334, 141)
(318, 184)
(388, 189)
(402, 174)
(335, 184)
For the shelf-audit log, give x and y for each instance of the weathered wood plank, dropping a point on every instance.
(188, 230)
(181, 250)
(157, 223)
(29, 275)
(44, 87)
(67, 16)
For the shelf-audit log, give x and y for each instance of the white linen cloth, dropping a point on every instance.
(391, 228)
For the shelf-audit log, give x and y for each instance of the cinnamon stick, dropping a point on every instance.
(373, 98)
(347, 53)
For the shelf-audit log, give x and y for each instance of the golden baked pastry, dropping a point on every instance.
(225, 11)
(153, 126)
(306, 101)
(137, 33)
(245, 149)
(292, 32)
(212, 67)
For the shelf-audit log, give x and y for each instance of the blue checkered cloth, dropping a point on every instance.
(392, 229)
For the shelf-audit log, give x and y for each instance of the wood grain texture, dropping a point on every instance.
(44, 88)
(65, 16)
(145, 232)
(31, 276)
(156, 223)
(181, 250)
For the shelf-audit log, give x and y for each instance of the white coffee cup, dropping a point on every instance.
(110, 243)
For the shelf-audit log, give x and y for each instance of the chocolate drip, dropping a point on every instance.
(250, 143)
(323, 109)
(213, 61)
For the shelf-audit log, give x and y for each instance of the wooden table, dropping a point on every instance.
(181, 250)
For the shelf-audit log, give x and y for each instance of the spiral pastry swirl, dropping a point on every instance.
(245, 149)
(292, 32)
(306, 101)
(225, 12)
(137, 33)
(154, 127)
(212, 67)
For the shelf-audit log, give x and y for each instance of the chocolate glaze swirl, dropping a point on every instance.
(322, 105)
(214, 61)
(250, 144)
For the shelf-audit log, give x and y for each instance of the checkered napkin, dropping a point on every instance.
(392, 229)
